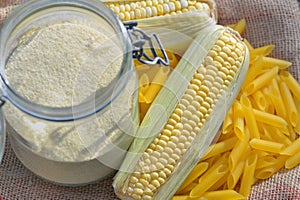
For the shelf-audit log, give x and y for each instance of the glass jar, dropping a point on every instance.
(83, 141)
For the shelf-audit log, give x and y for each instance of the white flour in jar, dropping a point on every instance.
(51, 66)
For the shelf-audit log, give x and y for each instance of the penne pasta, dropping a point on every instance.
(250, 47)
(248, 175)
(249, 116)
(267, 172)
(220, 184)
(172, 58)
(240, 26)
(269, 104)
(143, 109)
(140, 66)
(238, 118)
(224, 195)
(208, 179)
(266, 134)
(278, 136)
(228, 123)
(235, 175)
(187, 189)
(277, 99)
(239, 149)
(255, 69)
(261, 154)
(260, 100)
(198, 170)
(262, 51)
(297, 127)
(273, 62)
(185, 197)
(293, 161)
(265, 161)
(213, 160)
(265, 145)
(292, 149)
(291, 82)
(220, 147)
(269, 119)
(156, 84)
(288, 100)
(261, 81)
(143, 83)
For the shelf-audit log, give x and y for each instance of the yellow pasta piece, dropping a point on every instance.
(208, 179)
(156, 84)
(248, 175)
(228, 123)
(277, 135)
(250, 47)
(144, 107)
(255, 69)
(239, 149)
(262, 51)
(220, 184)
(291, 82)
(235, 175)
(277, 101)
(260, 100)
(240, 26)
(292, 149)
(184, 197)
(265, 145)
(261, 81)
(270, 119)
(293, 161)
(143, 84)
(238, 117)
(224, 195)
(187, 189)
(273, 62)
(140, 66)
(265, 161)
(265, 133)
(291, 109)
(249, 116)
(267, 172)
(269, 104)
(194, 174)
(219, 148)
(297, 127)
(261, 153)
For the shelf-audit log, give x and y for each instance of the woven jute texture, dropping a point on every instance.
(269, 22)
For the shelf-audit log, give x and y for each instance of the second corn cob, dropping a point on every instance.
(185, 117)
(176, 22)
(133, 10)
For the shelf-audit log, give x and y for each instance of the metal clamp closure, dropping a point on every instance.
(139, 39)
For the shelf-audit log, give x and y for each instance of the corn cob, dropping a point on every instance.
(133, 10)
(176, 22)
(175, 133)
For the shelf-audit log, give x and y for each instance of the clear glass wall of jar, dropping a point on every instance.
(83, 142)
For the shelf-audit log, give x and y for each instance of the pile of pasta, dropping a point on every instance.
(151, 80)
(259, 136)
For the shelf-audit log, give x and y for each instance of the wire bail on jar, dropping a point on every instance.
(139, 38)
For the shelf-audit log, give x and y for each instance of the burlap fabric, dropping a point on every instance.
(269, 22)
